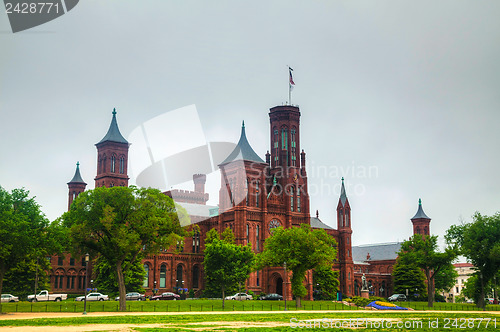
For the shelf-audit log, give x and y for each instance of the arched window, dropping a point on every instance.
(104, 159)
(122, 164)
(248, 233)
(74, 194)
(113, 162)
(179, 280)
(341, 218)
(257, 193)
(163, 276)
(257, 238)
(298, 198)
(284, 139)
(294, 146)
(247, 191)
(276, 151)
(347, 222)
(145, 282)
(196, 241)
(257, 279)
(291, 198)
(196, 276)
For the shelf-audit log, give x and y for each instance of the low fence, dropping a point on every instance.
(188, 306)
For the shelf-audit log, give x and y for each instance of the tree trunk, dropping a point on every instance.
(298, 302)
(480, 302)
(223, 297)
(430, 292)
(121, 286)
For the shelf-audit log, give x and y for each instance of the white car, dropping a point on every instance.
(9, 298)
(239, 296)
(93, 297)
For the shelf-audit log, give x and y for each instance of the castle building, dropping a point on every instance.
(255, 197)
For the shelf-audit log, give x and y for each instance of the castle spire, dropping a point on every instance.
(243, 150)
(77, 178)
(113, 134)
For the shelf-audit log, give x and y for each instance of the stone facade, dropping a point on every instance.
(255, 196)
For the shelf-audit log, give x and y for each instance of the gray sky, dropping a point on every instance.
(408, 90)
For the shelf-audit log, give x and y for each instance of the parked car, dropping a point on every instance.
(133, 296)
(9, 298)
(46, 296)
(239, 296)
(397, 297)
(272, 296)
(93, 297)
(166, 296)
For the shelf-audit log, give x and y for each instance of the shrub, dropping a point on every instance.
(360, 301)
(377, 298)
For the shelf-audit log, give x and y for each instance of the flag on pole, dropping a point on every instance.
(291, 77)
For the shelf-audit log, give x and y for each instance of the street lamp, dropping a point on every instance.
(284, 289)
(154, 289)
(85, 283)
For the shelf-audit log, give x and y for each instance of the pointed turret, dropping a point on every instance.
(421, 221)
(343, 196)
(343, 209)
(113, 134)
(243, 150)
(76, 186)
(344, 241)
(112, 158)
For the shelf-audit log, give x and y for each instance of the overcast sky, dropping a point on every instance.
(402, 98)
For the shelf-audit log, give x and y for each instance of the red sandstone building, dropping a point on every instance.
(255, 196)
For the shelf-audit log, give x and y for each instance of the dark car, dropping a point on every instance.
(166, 296)
(397, 297)
(272, 297)
(133, 296)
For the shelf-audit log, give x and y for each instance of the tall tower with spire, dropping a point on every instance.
(76, 186)
(345, 245)
(287, 180)
(421, 223)
(112, 158)
(242, 191)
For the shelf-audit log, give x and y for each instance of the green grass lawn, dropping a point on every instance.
(413, 320)
(214, 305)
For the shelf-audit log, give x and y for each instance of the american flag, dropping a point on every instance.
(291, 78)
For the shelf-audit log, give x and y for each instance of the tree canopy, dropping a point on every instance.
(120, 224)
(326, 282)
(25, 235)
(409, 277)
(479, 242)
(423, 251)
(226, 264)
(302, 249)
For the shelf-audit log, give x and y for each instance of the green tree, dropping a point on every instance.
(24, 236)
(446, 278)
(226, 264)
(105, 276)
(326, 282)
(407, 276)
(21, 278)
(423, 251)
(302, 249)
(479, 241)
(121, 224)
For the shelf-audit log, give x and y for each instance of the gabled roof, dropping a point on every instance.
(243, 150)
(113, 134)
(317, 223)
(77, 178)
(420, 212)
(378, 252)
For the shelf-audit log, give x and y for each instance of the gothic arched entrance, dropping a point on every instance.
(279, 286)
